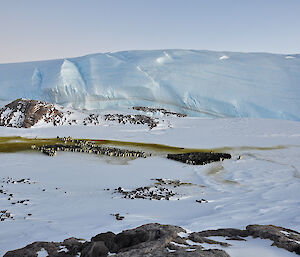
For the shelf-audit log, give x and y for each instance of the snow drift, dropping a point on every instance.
(198, 83)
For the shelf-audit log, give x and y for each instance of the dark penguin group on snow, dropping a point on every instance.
(83, 146)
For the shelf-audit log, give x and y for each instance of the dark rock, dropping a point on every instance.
(109, 240)
(196, 237)
(95, 249)
(236, 238)
(159, 241)
(53, 249)
(225, 232)
(283, 238)
(73, 245)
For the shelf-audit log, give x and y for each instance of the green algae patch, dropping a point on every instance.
(149, 147)
(17, 144)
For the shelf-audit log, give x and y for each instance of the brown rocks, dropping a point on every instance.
(65, 249)
(283, 238)
(23, 113)
(160, 241)
(147, 240)
(95, 249)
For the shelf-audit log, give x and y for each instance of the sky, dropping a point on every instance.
(49, 29)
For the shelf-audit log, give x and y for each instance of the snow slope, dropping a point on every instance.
(199, 83)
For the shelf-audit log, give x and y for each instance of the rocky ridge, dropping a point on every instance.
(24, 113)
(160, 240)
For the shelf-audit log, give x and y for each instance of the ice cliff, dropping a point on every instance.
(200, 83)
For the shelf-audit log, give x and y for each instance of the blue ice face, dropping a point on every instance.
(199, 83)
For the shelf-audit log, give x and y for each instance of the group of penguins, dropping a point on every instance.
(84, 146)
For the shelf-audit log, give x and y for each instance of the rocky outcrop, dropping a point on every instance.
(147, 240)
(199, 158)
(283, 238)
(68, 248)
(158, 240)
(23, 113)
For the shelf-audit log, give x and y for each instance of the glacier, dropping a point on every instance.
(194, 82)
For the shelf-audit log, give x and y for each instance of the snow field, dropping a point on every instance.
(69, 198)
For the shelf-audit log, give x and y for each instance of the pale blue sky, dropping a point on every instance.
(40, 29)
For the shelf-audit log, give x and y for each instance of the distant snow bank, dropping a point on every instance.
(198, 83)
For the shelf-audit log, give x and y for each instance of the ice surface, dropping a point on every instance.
(199, 83)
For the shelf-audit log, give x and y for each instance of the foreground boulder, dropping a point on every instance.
(68, 248)
(147, 240)
(282, 237)
(158, 240)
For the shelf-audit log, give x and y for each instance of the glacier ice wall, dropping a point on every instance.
(201, 83)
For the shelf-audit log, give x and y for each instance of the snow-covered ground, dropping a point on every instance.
(68, 196)
(201, 83)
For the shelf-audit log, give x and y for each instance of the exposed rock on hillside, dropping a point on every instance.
(23, 113)
(160, 241)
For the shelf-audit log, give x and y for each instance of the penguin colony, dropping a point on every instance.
(199, 158)
(132, 119)
(83, 146)
(161, 110)
(150, 193)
